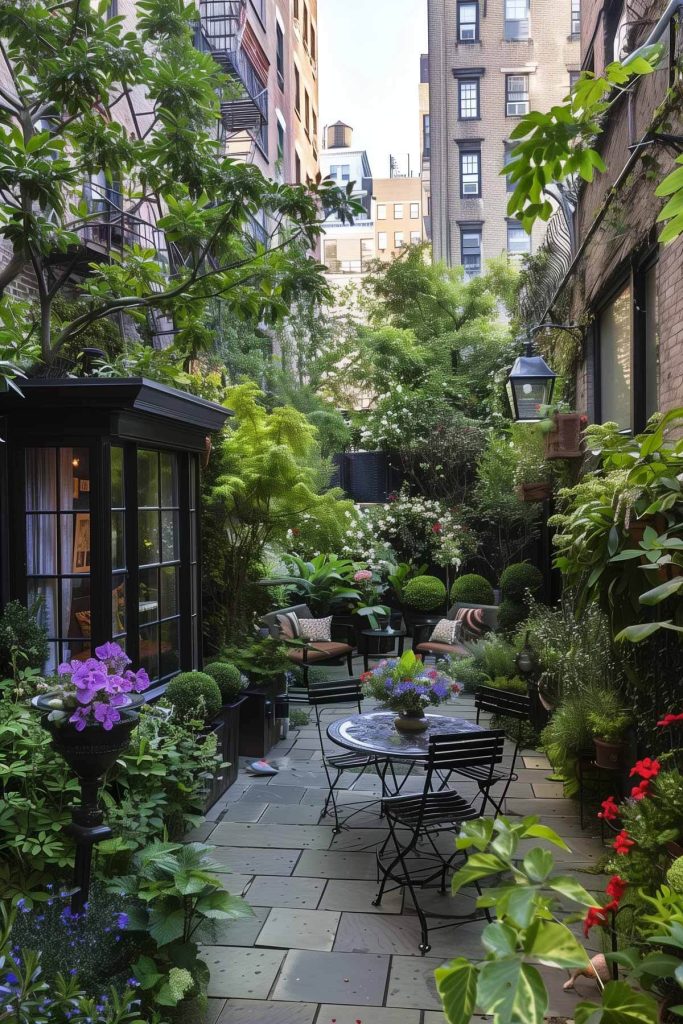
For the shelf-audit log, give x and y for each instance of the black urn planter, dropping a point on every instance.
(90, 754)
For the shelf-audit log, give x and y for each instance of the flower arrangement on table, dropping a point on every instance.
(649, 821)
(407, 686)
(95, 692)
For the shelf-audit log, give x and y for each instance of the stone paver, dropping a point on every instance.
(356, 979)
(300, 929)
(316, 950)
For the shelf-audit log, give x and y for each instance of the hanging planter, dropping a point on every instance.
(563, 441)
(534, 492)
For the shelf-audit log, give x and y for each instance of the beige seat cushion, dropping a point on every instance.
(436, 648)
(320, 650)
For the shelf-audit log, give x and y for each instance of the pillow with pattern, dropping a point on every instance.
(446, 631)
(316, 629)
(290, 625)
(473, 623)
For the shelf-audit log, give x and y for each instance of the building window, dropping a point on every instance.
(468, 98)
(340, 172)
(470, 252)
(297, 90)
(509, 148)
(574, 76)
(576, 19)
(112, 10)
(399, 240)
(470, 174)
(426, 137)
(297, 169)
(468, 22)
(414, 211)
(366, 252)
(415, 237)
(280, 56)
(314, 43)
(260, 8)
(381, 211)
(516, 20)
(296, 9)
(398, 211)
(382, 241)
(280, 142)
(516, 95)
(651, 325)
(616, 361)
(314, 125)
(519, 241)
(307, 112)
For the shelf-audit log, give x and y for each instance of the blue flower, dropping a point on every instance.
(122, 921)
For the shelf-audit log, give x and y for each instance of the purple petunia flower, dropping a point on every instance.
(122, 921)
(107, 715)
(80, 718)
(115, 657)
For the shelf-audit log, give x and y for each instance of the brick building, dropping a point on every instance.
(490, 62)
(399, 219)
(617, 279)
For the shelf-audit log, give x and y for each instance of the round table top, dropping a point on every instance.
(375, 733)
(384, 632)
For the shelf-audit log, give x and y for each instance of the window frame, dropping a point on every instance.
(464, 252)
(462, 84)
(575, 22)
(280, 55)
(397, 207)
(466, 153)
(521, 34)
(297, 91)
(382, 235)
(515, 225)
(381, 211)
(460, 24)
(508, 93)
(399, 239)
(415, 207)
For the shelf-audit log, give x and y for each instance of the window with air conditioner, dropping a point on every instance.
(516, 95)
(468, 22)
(470, 174)
(516, 20)
(468, 104)
(470, 252)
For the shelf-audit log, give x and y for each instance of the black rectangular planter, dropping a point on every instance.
(262, 713)
(226, 726)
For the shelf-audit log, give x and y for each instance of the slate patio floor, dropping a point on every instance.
(316, 950)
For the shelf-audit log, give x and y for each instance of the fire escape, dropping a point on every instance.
(221, 26)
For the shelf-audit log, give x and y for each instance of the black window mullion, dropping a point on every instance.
(185, 467)
(132, 574)
(100, 543)
(58, 559)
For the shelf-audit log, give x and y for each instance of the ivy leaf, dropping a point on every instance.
(620, 1005)
(456, 984)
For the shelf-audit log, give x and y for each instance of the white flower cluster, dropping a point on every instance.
(362, 544)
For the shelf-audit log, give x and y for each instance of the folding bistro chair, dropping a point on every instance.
(322, 695)
(510, 705)
(425, 817)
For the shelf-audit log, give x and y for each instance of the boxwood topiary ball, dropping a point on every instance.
(472, 589)
(228, 677)
(518, 578)
(424, 593)
(194, 695)
(674, 875)
(510, 615)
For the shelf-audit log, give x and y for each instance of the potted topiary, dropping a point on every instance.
(472, 589)
(422, 595)
(195, 697)
(609, 737)
(265, 662)
(232, 685)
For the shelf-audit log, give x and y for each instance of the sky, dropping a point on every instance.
(369, 60)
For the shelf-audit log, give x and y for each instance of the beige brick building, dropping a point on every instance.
(490, 62)
(399, 217)
(424, 135)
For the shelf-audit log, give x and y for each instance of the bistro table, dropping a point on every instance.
(375, 733)
(382, 634)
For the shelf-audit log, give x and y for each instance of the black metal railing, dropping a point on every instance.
(221, 23)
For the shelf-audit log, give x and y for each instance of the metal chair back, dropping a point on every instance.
(502, 702)
(453, 752)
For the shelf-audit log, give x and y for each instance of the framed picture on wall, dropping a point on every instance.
(81, 555)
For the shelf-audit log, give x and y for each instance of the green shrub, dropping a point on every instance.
(299, 717)
(511, 685)
(469, 672)
(518, 578)
(23, 643)
(497, 656)
(424, 593)
(568, 735)
(674, 875)
(510, 615)
(229, 679)
(472, 589)
(194, 695)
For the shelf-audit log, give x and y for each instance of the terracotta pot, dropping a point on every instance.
(637, 527)
(411, 721)
(564, 441)
(535, 492)
(608, 755)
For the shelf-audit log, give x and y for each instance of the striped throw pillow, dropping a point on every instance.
(290, 626)
(473, 622)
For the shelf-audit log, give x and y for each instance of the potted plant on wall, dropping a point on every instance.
(196, 698)
(561, 431)
(609, 736)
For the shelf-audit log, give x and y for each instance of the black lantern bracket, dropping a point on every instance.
(532, 382)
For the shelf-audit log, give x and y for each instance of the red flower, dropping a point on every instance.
(610, 810)
(295, 531)
(598, 916)
(616, 887)
(584, 421)
(456, 688)
(669, 720)
(366, 675)
(623, 843)
(437, 528)
(647, 768)
(642, 790)
(392, 497)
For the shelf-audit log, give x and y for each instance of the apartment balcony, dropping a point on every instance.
(348, 266)
(222, 23)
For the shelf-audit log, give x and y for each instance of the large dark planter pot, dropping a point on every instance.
(609, 755)
(226, 726)
(261, 717)
(93, 751)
